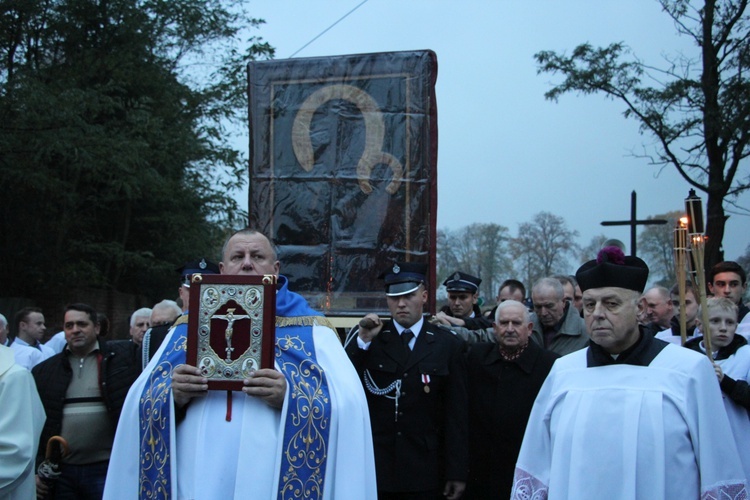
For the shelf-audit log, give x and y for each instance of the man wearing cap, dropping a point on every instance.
(630, 416)
(298, 430)
(462, 309)
(414, 376)
(203, 266)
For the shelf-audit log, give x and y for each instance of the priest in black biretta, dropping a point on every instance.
(630, 416)
(613, 268)
(612, 285)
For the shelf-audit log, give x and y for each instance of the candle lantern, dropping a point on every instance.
(696, 229)
(694, 209)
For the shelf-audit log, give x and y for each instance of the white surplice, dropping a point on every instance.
(668, 336)
(737, 366)
(29, 356)
(21, 420)
(630, 432)
(743, 328)
(216, 459)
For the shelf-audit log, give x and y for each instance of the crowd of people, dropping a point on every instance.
(581, 388)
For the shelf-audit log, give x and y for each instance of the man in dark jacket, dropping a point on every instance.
(414, 374)
(83, 389)
(504, 379)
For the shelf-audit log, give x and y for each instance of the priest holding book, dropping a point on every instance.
(298, 430)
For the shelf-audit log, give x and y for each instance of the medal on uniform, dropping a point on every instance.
(426, 382)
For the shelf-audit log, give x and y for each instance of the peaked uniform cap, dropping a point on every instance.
(462, 282)
(403, 278)
(202, 266)
(612, 268)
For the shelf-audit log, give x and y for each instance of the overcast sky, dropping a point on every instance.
(504, 152)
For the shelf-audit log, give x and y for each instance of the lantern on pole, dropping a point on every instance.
(697, 240)
(681, 250)
(694, 209)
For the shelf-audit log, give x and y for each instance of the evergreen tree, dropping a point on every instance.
(114, 153)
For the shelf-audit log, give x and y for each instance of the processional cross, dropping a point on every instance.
(230, 318)
(633, 223)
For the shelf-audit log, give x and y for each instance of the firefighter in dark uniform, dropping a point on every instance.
(414, 376)
(462, 308)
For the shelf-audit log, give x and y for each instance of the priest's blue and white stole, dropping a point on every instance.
(155, 408)
(308, 417)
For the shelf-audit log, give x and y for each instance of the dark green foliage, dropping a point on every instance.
(115, 161)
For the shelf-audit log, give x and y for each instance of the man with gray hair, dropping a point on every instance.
(504, 379)
(163, 315)
(557, 325)
(658, 308)
(140, 321)
(629, 416)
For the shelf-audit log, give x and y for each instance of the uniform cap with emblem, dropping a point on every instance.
(612, 268)
(202, 266)
(462, 282)
(403, 278)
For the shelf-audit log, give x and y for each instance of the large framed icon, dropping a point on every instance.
(231, 327)
(343, 171)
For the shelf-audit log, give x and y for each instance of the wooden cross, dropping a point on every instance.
(633, 223)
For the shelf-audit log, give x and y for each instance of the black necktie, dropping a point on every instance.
(406, 337)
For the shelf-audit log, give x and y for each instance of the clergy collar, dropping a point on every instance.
(737, 342)
(674, 324)
(724, 352)
(642, 353)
